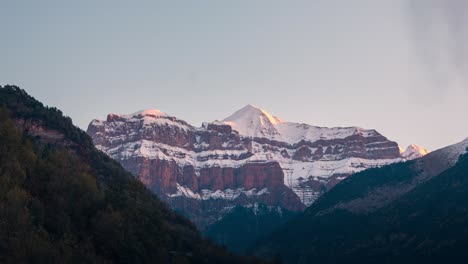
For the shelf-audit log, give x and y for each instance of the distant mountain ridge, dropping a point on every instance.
(249, 157)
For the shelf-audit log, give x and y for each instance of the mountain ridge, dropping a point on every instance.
(249, 114)
(269, 160)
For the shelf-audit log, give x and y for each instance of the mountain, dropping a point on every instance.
(63, 201)
(412, 212)
(252, 121)
(249, 157)
(414, 152)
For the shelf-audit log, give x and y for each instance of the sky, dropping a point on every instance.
(398, 66)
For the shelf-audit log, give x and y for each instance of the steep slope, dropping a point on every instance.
(249, 157)
(402, 213)
(63, 201)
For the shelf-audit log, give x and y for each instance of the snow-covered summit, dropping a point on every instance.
(148, 117)
(251, 112)
(413, 152)
(251, 121)
(149, 112)
(311, 159)
(143, 113)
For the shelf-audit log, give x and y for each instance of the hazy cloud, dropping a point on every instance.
(440, 30)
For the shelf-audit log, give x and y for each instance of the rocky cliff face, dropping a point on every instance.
(249, 157)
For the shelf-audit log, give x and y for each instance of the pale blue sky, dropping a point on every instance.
(394, 65)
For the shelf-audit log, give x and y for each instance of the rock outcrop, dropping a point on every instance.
(247, 158)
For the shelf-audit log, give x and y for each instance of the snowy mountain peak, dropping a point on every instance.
(147, 117)
(254, 122)
(251, 113)
(413, 152)
(139, 114)
(304, 159)
(148, 112)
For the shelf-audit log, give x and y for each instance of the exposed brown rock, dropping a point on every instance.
(168, 168)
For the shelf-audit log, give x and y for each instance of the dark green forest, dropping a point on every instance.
(63, 201)
(242, 227)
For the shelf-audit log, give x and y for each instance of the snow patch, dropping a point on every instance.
(205, 194)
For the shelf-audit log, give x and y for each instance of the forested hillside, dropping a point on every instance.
(368, 219)
(63, 201)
